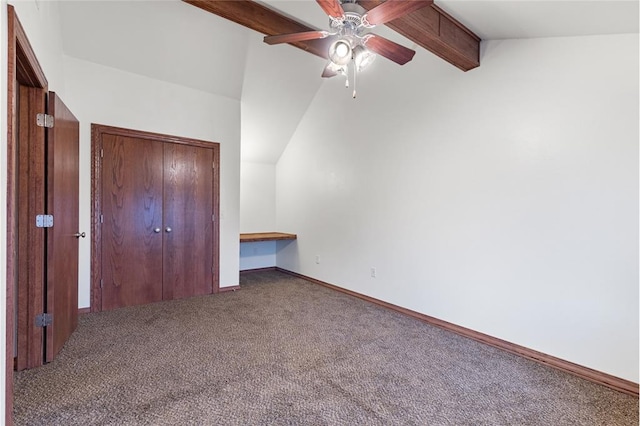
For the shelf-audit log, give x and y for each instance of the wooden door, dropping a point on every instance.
(48, 182)
(188, 221)
(30, 239)
(62, 239)
(132, 230)
(155, 202)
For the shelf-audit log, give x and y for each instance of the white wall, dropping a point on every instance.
(504, 199)
(256, 255)
(279, 84)
(257, 197)
(257, 213)
(103, 95)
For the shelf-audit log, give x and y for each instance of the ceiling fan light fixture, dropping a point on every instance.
(363, 57)
(340, 52)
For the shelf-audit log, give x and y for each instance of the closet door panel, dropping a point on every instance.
(132, 221)
(188, 221)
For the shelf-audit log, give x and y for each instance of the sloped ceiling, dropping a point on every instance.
(163, 40)
(279, 84)
(176, 42)
(496, 20)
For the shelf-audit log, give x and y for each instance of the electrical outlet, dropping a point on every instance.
(317, 259)
(373, 272)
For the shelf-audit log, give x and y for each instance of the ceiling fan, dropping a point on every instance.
(429, 27)
(352, 43)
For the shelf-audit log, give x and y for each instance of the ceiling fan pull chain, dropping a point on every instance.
(355, 73)
(346, 74)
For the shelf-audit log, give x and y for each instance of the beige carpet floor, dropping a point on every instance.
(283, 351)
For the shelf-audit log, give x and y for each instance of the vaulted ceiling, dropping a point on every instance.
(176, 42)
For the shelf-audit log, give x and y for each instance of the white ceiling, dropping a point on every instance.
(504, 19)
(176, 42)
(165, 40)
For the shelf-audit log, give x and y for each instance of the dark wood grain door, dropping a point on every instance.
(132, 229)
(30, 244)
(188, 221)
(155, 200)
(62, 239)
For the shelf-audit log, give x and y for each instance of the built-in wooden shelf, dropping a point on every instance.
(266, 236)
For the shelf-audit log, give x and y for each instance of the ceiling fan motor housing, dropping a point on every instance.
(352, 19)
(351, 25)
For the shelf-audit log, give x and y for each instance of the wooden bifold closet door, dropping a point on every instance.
(157, 220)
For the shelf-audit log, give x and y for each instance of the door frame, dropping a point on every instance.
(23, 68)
(97, 130)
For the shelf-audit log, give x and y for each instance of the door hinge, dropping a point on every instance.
(44, 320)
(101, 219)
(213, 218)
(44, 120)
(101, 282)
(44, 221)
(101, 153)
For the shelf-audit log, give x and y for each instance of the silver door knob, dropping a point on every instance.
(79, 234)
(156, 230)
(167, 229)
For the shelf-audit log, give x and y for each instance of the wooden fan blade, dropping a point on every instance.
(393, 9)
(389, 49)
(291, 38)
(332, 8)
(328, 72)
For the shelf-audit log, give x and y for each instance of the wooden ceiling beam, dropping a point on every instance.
(438, 32)
(260, 18)
(429, 27)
